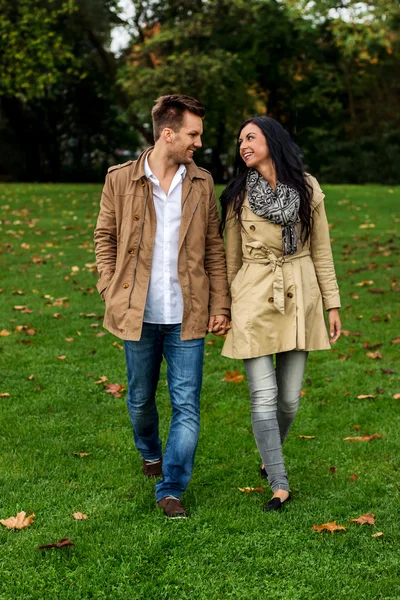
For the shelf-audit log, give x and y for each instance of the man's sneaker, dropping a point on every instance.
(152, 468)
(172, 507)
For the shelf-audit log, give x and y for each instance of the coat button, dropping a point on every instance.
(252, 227)
(125, 285)
(289, 295)
(270, 300)
(131, 251)
(136, 217)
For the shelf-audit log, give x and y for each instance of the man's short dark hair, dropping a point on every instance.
(168, 111)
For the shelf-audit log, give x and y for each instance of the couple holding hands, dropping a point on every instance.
(166, 283)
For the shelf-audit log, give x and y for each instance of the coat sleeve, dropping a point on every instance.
(214, 263)
(105, 238)
(321, 252)
(234, 252)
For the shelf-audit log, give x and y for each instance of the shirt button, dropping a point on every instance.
(125, 285)
(252, 227)
(131, 251)
(270, 300)
(289, 295)
(136, 217)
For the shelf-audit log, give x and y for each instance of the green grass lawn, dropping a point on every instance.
(229, 548)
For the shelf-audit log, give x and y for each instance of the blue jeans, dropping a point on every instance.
(184, 376)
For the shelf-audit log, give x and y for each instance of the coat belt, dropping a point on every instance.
(276, 263)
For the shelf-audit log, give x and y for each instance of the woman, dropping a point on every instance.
(281, 275)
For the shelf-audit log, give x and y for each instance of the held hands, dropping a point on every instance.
(218, 325)
(335, 326)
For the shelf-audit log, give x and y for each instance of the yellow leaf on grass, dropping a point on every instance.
(248, 490)
(377, 534)
(329, 527)
(307, 437)
(4, 333)
(396, 396)
(18, 522)
(78, 516)
(234, 377)
(368, 519)
(363, 438)
(364, 396)
(5, 395)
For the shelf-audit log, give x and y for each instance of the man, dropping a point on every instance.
(162, 276)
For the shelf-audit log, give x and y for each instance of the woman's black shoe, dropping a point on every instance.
(263, 473)
(275, 504)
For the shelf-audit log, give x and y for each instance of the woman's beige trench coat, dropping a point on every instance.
(277, 303)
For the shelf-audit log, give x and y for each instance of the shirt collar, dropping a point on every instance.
(150, 175)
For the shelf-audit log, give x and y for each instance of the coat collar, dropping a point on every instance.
(192, 170)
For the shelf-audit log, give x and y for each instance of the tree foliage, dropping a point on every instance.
(328, 71)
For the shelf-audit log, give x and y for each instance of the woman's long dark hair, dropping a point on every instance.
(289, 169)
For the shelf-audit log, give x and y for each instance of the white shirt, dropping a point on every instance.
(164, 303)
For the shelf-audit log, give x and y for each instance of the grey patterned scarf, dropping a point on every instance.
(280, 206)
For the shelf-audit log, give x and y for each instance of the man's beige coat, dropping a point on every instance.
(124, 240)
(277, 303)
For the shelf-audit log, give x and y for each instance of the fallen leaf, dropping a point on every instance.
(31, 377)
(388, 371)
(364, 283)
(329, 527)
(63, 357)
(378, 534)
(115, 389)
(69, 339)
(344, 356)
(367, 226)
(102, 379)
(396, 396)
(116, 345)
(380, 390)
(347, 333)
(101, 334)
(30, 332)
(4, 333)
(210, 342)
(5, 395)
(357, 427)
(332, 469)
(307, 437)
(60, 544)
(368, 518)
(234, 377)
(82, 454)
(78, 516)
(376, 291)
(367, 346)
(248, 490)
(18, 522)
(353, 477)
(364, 396)
(57, 315)
(363, 438)
(303, 393)
(374, 355)
(396, 340)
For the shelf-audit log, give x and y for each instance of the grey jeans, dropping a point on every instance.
(274, 397)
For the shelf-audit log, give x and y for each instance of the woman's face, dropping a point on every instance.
(253, 146)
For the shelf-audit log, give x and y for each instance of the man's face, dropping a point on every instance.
(187, 140)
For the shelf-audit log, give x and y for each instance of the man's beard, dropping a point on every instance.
(181, 158)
